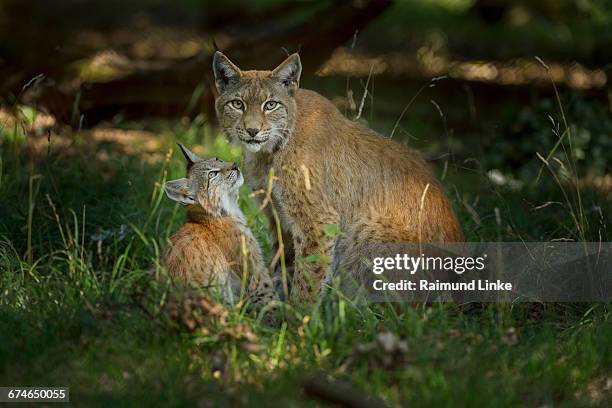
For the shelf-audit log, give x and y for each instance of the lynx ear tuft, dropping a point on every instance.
(225, 71)
(181, 191)
(289, 71)
(189, 155)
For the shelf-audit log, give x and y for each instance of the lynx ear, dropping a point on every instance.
(225, 71)
(289, 71)
(180, 191)
(189, 155)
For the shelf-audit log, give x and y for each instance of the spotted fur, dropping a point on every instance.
(329, 170)
(215, 247)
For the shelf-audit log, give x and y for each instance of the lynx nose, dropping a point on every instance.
(252, 132)
(235, 167)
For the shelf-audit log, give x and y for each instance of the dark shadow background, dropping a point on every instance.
(87, 61)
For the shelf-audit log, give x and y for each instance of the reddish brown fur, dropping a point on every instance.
(369, 185)
(208, 250)
(215, 247)
(374, 188)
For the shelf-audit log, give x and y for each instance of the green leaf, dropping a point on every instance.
(332, 230)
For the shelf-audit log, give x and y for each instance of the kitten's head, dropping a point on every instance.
(257, 108)
(211, 184)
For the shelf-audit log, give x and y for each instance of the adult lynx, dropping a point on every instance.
(329, 170)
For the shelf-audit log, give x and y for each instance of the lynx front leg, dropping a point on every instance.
(260, 288)
(288, 250)
(302, 196)
(312, 258)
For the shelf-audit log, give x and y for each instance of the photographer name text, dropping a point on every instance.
(455, 264)
(437, 286)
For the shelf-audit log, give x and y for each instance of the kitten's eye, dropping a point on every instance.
(270, 106)
(212, 174)
(237, 104)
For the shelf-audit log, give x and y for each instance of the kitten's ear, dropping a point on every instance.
(181, 191)
(189, 155)
(225, 71)
(289, 71)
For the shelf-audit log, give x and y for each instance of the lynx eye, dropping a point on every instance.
(212, 174)
(270, 106)
(237, 104)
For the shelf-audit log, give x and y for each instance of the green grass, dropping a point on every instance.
(81, 232)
